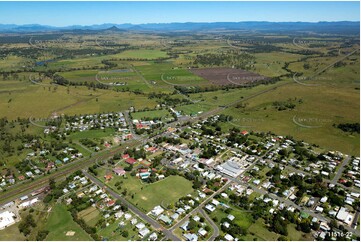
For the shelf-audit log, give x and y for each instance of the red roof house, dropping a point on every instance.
(108, 177)
(110, 203)
(130, 161)
(119, 171)
(244, 132)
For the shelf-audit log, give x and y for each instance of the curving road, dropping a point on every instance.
(211, 222)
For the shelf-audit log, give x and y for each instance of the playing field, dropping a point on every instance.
(147, 196)
(60, 222)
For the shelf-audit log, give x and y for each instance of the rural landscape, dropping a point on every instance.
(220, 131)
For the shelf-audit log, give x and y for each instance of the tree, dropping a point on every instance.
(192, 225)
(125, 234)
(52, 183)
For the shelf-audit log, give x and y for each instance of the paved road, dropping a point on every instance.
(340, 170)
(133, 208)
(130, 125)
(211, 222)
(183, 220)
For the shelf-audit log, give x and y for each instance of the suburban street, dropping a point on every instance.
(199, 206)
(211, 222)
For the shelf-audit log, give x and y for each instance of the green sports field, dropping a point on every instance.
(60, 222)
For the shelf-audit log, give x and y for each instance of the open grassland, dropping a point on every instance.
(320, 108)
(11, 233)
(163, 114)
(60, 222)
(40, 101)
(13, 62)
(295, 235)
(270, 64)
(92, 134)
(142, 54)
(259, 229)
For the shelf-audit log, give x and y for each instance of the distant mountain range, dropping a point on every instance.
(342, 27)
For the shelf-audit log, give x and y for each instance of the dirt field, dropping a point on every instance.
(228, 76)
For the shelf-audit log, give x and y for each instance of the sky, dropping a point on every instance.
(88, 13)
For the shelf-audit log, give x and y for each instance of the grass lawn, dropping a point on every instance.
(11, 233)
(242, 218)
(294, 234)
(142, 54)
(29, 102)
(163, 114)
(259, 229)
(335, 104)
(90, 215)
(113, 232)
(91, 134)
(60, 222)
(147, 196)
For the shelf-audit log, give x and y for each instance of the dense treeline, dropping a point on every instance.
(349, 127)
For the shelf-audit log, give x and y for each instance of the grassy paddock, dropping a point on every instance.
(60, 222)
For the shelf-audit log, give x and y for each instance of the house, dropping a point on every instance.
(185, 226)
(130, 161)
(180, 211)
(21, 178)
(119, 171)
(144, 175)
(108, 177)
(133, 221)
(210, 208)
(118, 214)
(230, 217)
(140, 226)
(153, 236)
(175, 216)
(226, 224)
(228, 237)
(323, 199)
(202, 232)
(110, 203)
(143, 232)
(191, 237)
(344, 216)
(127, 216)
(319, 209)
(215, 202)
(244, 132)
(165, 219)
(157, 210)
(196, 218)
